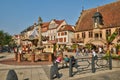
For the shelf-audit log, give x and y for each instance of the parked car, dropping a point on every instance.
(5, 49)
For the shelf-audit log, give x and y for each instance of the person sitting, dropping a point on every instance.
(59, 59)
(65, 61)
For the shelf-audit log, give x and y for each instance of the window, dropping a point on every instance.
(78, 36)
(65, 39)
(51, 37)
(62, 33)
(108, 32)
(54, 37)
(119, 31)
(65, 33)
(100, 34)
(96, 35)
(48, 46)
(83, 35)
(90, 34)
(60, 39)
(59, 34)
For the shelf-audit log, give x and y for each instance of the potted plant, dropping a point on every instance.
(74, 46)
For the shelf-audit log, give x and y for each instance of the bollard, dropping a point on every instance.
(70, 68)
(11, 75)
(33, 57)
(110, 62)
(19, 57)
(16, 56)
(93, 64)
(54, 71)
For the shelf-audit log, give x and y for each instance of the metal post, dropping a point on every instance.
(110, 61)
(54, 71)
(93, 64)
(57, 72)
(70, 68)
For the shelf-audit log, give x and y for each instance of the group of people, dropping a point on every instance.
(65, 60)
(85, 51)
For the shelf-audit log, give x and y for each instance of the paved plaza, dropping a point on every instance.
(41, 72)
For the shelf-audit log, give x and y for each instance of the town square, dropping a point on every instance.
(57, 48)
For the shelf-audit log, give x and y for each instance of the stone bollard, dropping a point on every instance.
(11, 75)
(16, 57)
(19, 57)
(54, 71)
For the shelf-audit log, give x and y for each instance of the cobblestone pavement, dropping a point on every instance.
(41, 72)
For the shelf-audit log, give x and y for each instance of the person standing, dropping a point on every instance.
(94, 54)
(77, 51)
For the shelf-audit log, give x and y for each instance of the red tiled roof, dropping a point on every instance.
(67, 28)
(45, 26)
(58, 21)
(110, 13)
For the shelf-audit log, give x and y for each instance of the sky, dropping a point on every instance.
(17, 15)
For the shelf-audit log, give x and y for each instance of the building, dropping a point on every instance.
(64, 36)
(48, 32)
(95, 24)
(53, 28)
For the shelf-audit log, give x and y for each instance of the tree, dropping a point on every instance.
(5, 38)
(110, 38)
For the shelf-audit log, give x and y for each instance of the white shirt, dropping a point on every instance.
(94, 53)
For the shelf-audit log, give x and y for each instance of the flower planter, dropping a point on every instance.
(115, 63)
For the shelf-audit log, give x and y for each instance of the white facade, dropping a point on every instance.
(53, 28)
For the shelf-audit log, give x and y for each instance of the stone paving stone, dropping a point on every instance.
(3, 74)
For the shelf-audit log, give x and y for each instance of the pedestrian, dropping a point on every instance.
(77, 51)
(94, 54)
(73, 60)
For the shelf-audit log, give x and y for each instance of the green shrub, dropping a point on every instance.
(114, 56)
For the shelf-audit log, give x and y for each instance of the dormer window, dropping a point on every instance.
(97, 17)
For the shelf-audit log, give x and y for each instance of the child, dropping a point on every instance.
(65, 61)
